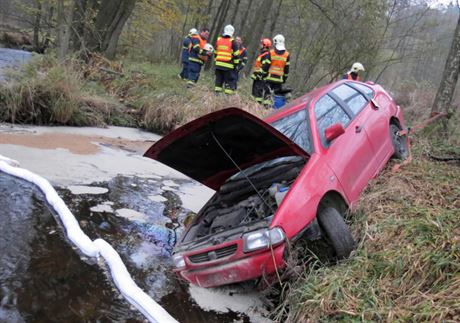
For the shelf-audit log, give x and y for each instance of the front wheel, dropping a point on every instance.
(336, 231)
(400, 143)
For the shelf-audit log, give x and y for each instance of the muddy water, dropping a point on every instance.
(134, 203)
(44, 280)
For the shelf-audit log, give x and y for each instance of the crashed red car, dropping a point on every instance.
(291, 176)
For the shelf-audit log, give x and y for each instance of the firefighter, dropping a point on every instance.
(197, 56)
(353, 73)
(185, 53)
(243, 53)
(227, 60)
(260, 70)
(279, 68)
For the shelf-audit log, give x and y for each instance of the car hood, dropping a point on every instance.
(218, 145)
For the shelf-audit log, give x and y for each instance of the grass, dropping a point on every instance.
(407, 264)
(102, 92)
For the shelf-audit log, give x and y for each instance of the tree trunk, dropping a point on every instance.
(276, 15)
(37, 22)
(245, 18)
(115, 26)
(449, 79)
(64, 20)
(235, 12)
(257, 29)
(107, 26)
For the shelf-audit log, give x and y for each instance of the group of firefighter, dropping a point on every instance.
(270, 71)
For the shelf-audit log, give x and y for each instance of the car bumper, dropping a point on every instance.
(239, 270)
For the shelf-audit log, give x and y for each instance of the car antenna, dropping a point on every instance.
(236, 165)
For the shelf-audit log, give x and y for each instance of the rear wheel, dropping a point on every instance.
(399, 142)
(336, 231)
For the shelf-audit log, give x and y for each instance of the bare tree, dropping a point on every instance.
(449, 79)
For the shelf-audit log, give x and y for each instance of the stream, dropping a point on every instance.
(136, 204)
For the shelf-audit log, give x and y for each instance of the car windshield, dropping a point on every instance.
(295, 126)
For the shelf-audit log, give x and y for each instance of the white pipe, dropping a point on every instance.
(122, 279)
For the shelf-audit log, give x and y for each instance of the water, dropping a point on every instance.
(43, 279)
(12, 58)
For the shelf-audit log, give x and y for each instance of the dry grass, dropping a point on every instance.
(165, 114)
(407, 264)
(47, 93)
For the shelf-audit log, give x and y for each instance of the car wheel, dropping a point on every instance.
(400, 144)
(336, 231)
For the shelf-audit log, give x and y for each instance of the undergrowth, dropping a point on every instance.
(407, 264)
(100, 92)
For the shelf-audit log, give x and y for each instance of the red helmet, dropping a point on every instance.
(266, 42)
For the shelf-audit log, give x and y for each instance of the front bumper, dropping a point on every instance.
(238, 270)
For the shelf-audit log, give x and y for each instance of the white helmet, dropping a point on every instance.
(208, 47)
(278, 40)
(193, 31)
(356, 67)
(228, 30)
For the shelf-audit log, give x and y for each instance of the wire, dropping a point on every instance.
(244, 174)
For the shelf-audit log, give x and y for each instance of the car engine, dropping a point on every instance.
(247, 197)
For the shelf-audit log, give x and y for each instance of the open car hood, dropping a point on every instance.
(204, 148)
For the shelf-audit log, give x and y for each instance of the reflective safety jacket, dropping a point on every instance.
(262, 65)
(243, 53)
(197, 49)
(279, 67)
(227, 53)
(351, 76)
(186, 48)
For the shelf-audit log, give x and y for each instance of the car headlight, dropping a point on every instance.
(179, 261)
(262, 239)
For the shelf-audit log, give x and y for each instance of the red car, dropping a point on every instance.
(291, 176)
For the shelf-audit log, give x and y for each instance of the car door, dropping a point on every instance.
(350, 155)
(376, 119)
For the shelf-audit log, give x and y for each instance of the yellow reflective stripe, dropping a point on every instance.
(274, 79)
(197, 60)
(288, 63)
(265, 61)
(223, 64)
(279, 58)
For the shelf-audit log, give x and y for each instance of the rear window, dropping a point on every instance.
(296, 128)
(355, 100)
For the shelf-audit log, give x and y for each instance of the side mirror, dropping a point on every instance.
(333, 131)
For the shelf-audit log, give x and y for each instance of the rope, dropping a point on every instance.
(409, 130)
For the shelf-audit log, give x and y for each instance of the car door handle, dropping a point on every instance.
(358, 129)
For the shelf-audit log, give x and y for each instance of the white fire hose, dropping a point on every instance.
(99, 247)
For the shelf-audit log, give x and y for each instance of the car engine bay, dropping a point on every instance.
(249, 196)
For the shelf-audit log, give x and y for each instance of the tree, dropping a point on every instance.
(449, 79)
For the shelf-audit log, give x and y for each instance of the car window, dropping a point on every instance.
(329, 112)
(295, 126)
(368, 92)
(355, 100)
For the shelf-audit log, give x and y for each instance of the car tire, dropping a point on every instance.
(400, 143)
(336, 231)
